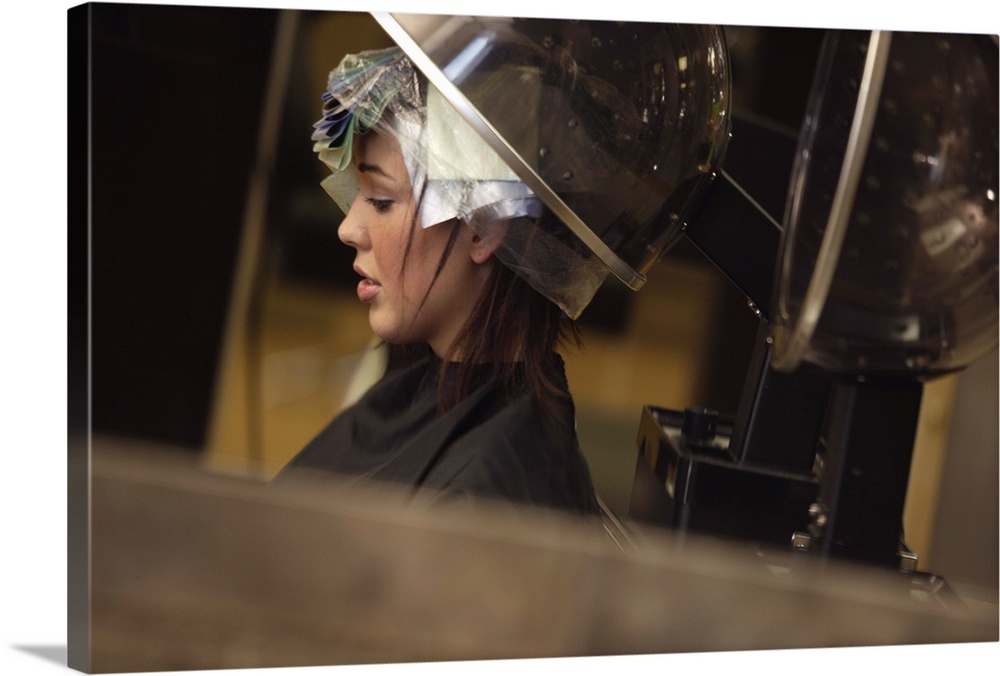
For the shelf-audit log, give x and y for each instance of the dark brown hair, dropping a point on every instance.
(512, 331)
(510, 335)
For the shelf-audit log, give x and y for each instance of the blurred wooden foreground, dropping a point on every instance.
(195, 570)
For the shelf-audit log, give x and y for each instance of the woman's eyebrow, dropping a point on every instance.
(366, 168)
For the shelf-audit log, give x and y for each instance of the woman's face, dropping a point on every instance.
(379, 226)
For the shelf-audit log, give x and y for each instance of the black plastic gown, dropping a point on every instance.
(491, 444)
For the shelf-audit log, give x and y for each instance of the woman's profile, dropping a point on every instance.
(470, 280)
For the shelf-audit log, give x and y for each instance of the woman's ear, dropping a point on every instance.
(484, 240)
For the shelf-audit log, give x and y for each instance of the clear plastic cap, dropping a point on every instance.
(454, 173)
(612, 127)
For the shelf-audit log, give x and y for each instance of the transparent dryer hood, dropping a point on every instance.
(614, 126)
(889, 259)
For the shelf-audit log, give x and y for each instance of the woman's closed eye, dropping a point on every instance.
(380, 206)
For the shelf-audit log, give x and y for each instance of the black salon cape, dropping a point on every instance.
(490, 444)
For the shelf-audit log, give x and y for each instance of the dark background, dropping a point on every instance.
(176, 102)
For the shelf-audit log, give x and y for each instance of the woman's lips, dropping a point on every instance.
(368, 289)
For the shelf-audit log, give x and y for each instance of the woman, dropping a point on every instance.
(480, 404)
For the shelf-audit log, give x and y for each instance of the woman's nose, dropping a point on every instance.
(351, 230)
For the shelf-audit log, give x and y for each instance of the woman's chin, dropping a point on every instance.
(386, 331)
